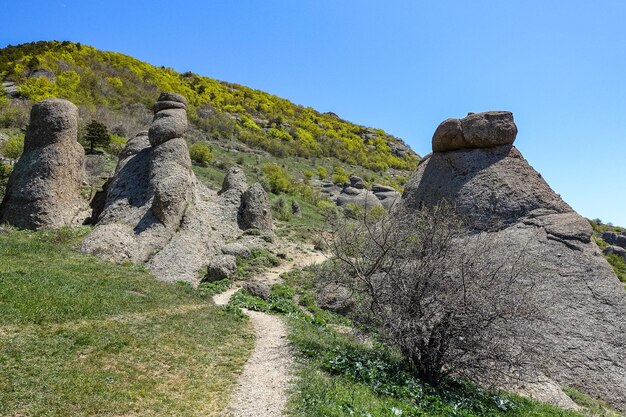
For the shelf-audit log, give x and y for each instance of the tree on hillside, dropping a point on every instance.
(96, 134)
(443, 297)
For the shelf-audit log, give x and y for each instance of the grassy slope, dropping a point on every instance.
(119, 83)
(81, 336)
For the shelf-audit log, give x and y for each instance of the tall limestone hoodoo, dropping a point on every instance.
(476, 168)
(156, 212)
(45, 185)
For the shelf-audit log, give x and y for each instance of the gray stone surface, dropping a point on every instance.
(157, 213)
(617, 250)
(479, 130)
(234, 184)
(614, 238)
(255, 211)
(581, 301)
(45, 185)
(220, 267)
(236, 249)
(357, 182)
(258, 289)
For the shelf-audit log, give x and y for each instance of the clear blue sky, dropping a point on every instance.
(404, 66)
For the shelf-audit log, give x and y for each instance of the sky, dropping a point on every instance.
(403, 66)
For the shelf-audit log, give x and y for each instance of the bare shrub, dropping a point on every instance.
(442, 295)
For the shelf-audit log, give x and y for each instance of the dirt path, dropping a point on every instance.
(261, 388)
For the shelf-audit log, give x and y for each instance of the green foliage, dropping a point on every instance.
(339, 377)
(223, 110)
(200, 153)
(96, 134)
(322, 173)
(117, 144)
(260, 260)
(619, 265)
(209, 289)
(308, 175)
(13, 147)
(282, 209)
(278, 179)
(5, 173)
(340, 176)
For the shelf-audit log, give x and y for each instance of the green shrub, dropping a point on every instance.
(117, 144)
(200, 153)
(322, 173)
(619, 265)
(5, 173)
(13, 147)
(282, 209)
(278, 178)
(308, 174)
(340, 176)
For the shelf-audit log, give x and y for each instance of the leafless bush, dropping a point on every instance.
(443, 296)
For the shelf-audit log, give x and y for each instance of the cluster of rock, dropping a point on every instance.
(617, 243)
(476, 169)
(155, 212)
(44, 189)
(356, 193)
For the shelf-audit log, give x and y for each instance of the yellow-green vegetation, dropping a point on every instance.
(81, 336)
(617, 262)
(90, 77)
(200, 153)
(12, 147)
(619, 265)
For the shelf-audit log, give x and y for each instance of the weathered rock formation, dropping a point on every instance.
(357, 194)
(583, 330)
(45, 185)
(477, 130)
(255, 211)
(155, 211)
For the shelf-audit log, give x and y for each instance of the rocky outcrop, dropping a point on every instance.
(234, 185)
(255, 211)
(616, 250)
(582, 303)
(45, 185)
(477, 130)
(295, 209)
(614, 238)
(155, 211)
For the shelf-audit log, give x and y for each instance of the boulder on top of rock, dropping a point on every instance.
(44, 187)
(580, 301)
(477, 130)
(156, 212)
(255, 211)
(170, 118)
(357, 182)
(378, 188)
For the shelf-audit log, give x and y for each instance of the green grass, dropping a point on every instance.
(591, 406)
(339, 377)
(619, 265)
(80, 336)
(260, 260)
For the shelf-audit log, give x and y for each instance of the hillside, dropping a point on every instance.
(121, 90)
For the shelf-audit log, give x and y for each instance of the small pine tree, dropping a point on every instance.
(96, 134)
